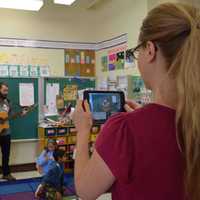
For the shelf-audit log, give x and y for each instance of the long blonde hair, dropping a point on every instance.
(175, 29)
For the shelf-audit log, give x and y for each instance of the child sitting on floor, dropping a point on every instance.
(46, 157)
(51, 187)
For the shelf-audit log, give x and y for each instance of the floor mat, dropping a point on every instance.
(25, 189)
(19, 196)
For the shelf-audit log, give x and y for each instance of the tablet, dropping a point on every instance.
(104, 104)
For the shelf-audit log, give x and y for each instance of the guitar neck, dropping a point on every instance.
(18, 114)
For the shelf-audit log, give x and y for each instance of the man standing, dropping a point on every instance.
(5, 138)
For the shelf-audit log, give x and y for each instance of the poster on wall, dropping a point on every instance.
(72, 60)
(67, 58)
(44, 71)
(120, 60)
(70, 92)
(87, 60)
(140, 93)
(26, 94)
(78, 58)
(34, 71)
(14, 70)
(93, 61)
(138, 88)
(52, 90)
(24, 71)
(102, 83)
(82, 57)
(112, 61)
(117, 58)
(104, 63)
(4, 70)
(129, 62)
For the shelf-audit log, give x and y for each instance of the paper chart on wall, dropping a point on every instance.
(24, 71)
(120, 60)
(44, 71)
(104, 63)
(112, 62)
(26, 94)
(52, 90)
(34, 71)
(4, 70)
(70, 92)
(102, 83)
(129, 62)
(14, 70)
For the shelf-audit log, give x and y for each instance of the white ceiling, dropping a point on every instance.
(81, 4)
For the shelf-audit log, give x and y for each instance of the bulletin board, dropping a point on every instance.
(24, 127)
(81, 83)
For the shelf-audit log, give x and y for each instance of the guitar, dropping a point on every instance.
(4, 117)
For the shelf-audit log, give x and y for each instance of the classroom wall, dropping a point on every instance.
(126, 17)
(153, 3)
(116, 17)
(53, 23)
(54, 58)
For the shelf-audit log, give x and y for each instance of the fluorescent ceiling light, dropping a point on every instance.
(64, 2)
(33, 5)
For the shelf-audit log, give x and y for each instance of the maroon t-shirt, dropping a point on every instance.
(141, 150)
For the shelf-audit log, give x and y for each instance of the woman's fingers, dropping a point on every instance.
(86, 105)
(128, 108)
(79, 105)
(132, 104)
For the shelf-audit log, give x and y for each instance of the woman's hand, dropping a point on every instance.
(82, 119)
(131, 106)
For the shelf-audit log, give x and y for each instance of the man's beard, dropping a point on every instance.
(3, 96)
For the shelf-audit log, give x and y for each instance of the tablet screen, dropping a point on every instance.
(103, 105)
